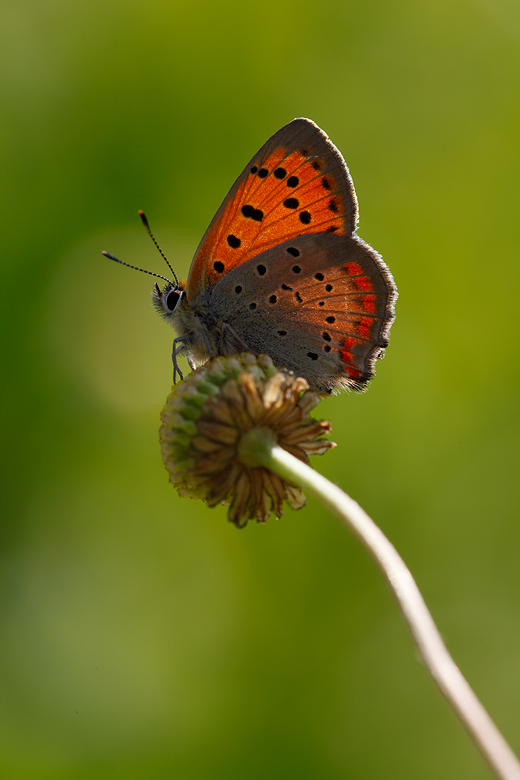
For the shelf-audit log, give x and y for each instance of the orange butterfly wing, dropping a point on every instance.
(297, 183)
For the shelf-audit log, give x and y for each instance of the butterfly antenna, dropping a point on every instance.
(112, 257)
(147, 226)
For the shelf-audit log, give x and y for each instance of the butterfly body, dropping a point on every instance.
(280, 270)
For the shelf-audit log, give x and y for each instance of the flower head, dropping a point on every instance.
(209, 424)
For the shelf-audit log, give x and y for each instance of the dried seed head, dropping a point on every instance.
(209, 415)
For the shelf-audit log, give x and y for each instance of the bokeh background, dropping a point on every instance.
(142, 636)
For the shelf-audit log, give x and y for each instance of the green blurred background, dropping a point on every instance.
(142, 636)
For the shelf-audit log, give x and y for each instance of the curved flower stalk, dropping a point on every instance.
(238, 431)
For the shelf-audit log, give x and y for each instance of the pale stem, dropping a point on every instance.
(424, 632)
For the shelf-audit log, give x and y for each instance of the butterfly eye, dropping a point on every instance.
(172, 300)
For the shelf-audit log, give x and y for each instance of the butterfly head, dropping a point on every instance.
(167, 302)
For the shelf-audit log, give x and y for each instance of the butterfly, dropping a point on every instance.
(281, 271)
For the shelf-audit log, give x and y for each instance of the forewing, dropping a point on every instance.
(296, 184)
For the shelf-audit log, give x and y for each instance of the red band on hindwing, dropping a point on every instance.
(348, 359)
(369, 303)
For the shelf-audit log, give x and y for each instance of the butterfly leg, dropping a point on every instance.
(178, 346)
